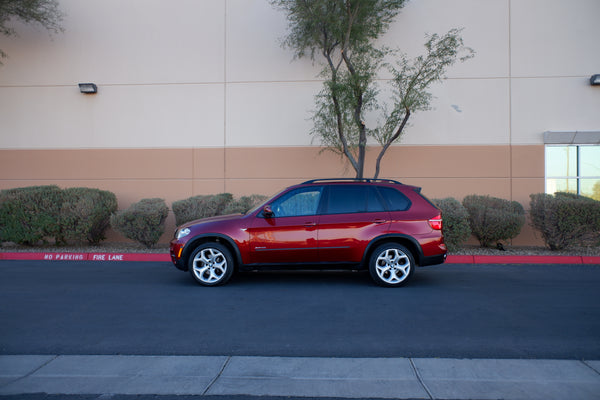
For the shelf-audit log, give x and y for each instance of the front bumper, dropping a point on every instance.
(176, 251)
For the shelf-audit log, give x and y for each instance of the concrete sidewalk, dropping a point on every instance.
(401, 378)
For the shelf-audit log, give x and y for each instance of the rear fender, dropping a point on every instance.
(405, 240)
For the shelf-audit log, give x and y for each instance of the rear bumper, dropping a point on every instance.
(432, 260)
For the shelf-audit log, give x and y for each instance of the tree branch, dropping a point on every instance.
(390, 141)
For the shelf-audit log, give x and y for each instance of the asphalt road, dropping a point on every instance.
(453, 311)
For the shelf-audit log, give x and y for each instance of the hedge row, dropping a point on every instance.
(563, 219)
(40, 213)
(566, 220)
(37, 214)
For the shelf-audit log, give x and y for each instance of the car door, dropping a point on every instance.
(289, 234)
(352, 215)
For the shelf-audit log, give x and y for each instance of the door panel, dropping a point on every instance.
(344, 238)
(284, 240)
(289, 234)
(352, 216)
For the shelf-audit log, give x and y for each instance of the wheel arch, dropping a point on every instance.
(407, 241)
(196, 241)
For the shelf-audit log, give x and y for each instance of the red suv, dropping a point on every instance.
(382, 225)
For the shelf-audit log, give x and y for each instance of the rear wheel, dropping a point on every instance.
(391, 265)
(211, 264)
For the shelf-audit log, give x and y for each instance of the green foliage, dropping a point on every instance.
(566, 220)
(201, 206)
(244, 204)
(31, 214)
(456, 226)
(85, 214)
(342, 37)
(143, 221)
(42, 12)
(493, 219)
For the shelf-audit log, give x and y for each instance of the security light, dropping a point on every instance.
(88, 88)
(595, 80)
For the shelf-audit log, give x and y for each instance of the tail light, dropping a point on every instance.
(436, 223)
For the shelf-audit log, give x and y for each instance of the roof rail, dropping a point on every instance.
(368, 180)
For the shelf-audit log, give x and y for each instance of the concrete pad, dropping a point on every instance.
(508, 379)
(319, 377)
(15, 367)
(121, 374)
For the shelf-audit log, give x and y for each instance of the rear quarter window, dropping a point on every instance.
(396, 201)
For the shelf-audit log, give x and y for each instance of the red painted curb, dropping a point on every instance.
(527, 259)
(54, 256)
(458, 259)
(591, 260)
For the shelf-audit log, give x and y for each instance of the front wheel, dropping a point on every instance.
(391, 265)
(211, 264)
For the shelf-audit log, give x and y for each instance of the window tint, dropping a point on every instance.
(347, 199)
(303, 201)
(396, 201)
(344, 199)
(374, 203)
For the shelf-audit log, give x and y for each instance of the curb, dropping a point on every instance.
(58, 256)
(164, 257)
(458, 259)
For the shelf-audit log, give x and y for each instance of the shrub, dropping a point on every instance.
(202, 206)
(244, 204)
(456, 222)
(31, 214)
(566, 220)
(85, 214)
(492, 219)
(143, 222)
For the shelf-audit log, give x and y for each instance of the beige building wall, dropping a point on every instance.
(199, 97)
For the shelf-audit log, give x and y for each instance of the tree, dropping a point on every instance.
(341, 35)
(42, 12)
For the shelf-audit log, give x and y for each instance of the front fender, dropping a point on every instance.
(208, 237)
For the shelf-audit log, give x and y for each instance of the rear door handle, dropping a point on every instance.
(380, 221)
(310, 224)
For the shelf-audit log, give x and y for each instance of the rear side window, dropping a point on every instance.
(396, 201)
(348, 199)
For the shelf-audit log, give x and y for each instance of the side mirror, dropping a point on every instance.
(267, 211)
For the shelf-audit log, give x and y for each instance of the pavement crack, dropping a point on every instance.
(590, 367)
(420, 379)
(33, 371)
(218, 376)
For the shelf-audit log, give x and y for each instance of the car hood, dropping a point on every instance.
(229, 217)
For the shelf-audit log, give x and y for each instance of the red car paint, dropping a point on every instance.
(328, 232)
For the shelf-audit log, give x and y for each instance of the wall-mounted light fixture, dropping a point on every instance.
(595, 80)
(88, 88)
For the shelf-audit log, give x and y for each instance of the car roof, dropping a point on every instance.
(364, 181)
(351, 180)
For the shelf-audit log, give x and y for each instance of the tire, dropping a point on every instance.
(391, 265)
(211, 264)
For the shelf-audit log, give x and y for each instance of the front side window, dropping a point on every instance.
(573, 169)
(299, 202)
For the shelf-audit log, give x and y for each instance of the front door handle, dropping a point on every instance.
(310, 224)
(380, 221)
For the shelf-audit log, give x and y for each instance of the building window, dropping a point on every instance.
(573, 169)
